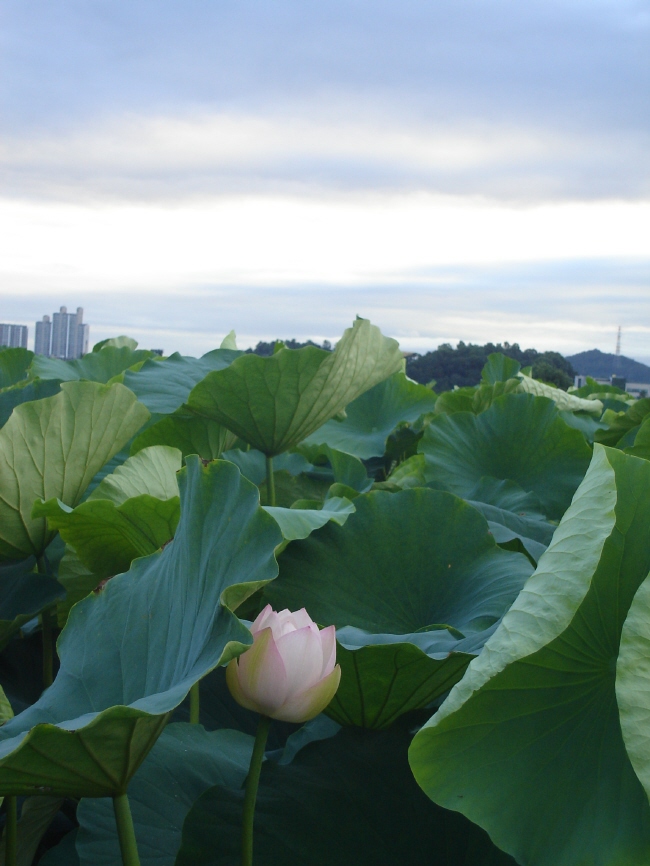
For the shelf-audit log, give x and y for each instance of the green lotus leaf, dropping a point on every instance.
(63, 854)
(252, 463)
(348, 800)
(51, 449)
(379, 682)
(529, 744)
(499, 368)
(163, 386)
(520, 438)
(77, 580)
(98, 366)
(584, 422)
(563, 401)
(372, 417)
(185, 761)
(337, 467)
(130, 653)
(14, 364)
(458, 400)
(403, 563)
(623, 430)
(191, 435)
(36, 815)
(25, 392)
(275, 402)
(119, 343)
(299, 522)
(23, 595)
(152, 471)
(108, 537)
(641, 447)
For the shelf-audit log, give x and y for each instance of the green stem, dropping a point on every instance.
(252, 782)
(125, 831)
(11, 831)
(48, 649)
(270, 481)
(194, 704)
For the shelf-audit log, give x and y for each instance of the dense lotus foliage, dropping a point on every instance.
(482, 554)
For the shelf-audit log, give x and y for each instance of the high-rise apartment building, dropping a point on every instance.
(14, 336)
(43, 336)
(65, 336)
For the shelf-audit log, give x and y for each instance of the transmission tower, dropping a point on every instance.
(617, 360)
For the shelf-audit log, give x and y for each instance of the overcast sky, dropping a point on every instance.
(458, 169)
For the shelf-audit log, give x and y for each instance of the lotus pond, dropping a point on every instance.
(478, 562)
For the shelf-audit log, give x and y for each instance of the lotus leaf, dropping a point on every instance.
(275, 402)
(52, 448)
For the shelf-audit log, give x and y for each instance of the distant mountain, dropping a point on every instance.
(602, 365)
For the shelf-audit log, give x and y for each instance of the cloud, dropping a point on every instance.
(207, 155)
(521, 101)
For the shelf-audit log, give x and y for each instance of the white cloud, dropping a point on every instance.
(318, 150)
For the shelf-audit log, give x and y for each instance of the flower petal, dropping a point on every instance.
(262, 619)
(262, 674)
(302, 655)
(232, 679)
(305, 706)
(328, 642)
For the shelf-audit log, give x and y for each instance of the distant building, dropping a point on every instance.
(66, 336)
(14, 336)
(635, 389)
(43, 336)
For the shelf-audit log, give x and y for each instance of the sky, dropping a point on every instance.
(460, 170)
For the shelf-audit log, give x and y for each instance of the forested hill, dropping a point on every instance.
(602, 365)
(462, 366)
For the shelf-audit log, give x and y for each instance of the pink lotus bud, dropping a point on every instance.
(290, 672)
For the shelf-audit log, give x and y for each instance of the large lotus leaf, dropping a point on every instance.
(275, 402)
(562, 400)
(118, 342)
(152, 470)
(641, 447)
(373, 416)
(519, 438)
(23, 595)
(108, 537)
(499, 368)
(299, 522)
(404, 562)
(189, 434)
(348, 800)
(77, 580)
(14, 363)
(163, 386)
(529, 743)
(512, 513)
(337, 467)
(94, 367)
(36, 815)
(185, 762)
(252, 463)
(52, 448)
(624, 428)
(379, 683)
(130, 653)
(63, 854)
(25, 393)
(584, 422)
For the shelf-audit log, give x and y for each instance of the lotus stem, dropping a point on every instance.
(194, 704)
(252, 782)
(125, 830)
(11, 831)
(270, 481)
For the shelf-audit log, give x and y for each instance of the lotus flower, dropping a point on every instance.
(290, 672)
